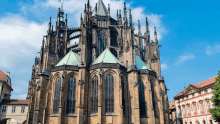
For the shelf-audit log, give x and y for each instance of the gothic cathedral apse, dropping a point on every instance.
(111, 76)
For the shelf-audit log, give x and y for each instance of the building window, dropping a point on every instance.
(184, 110)
(201, 106)
(22, 109)
(188, 108)
(206, 91)
(123, 94)
(4, 108)
(95, 94)
(194, 107)
(70, 109)
(57, 95)
(13, 109)
(208, 105)
(203, 122)
(142, 103)
(102, 42)
(210, 122)
(193, 95)
(109, 94)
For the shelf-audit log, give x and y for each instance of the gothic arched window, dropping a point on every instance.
(102, 42)
(95, 94)
(154, 103)
(57, 95)
(142, 103)
(70, 109)
(109, 94)
(123, 93)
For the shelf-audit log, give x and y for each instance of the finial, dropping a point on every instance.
(155, 32)
(66, 16)
(117, 13)
(85, 8)
(61, 5)
(50, 19)
(108, 7)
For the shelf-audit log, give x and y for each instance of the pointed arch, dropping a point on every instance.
(109, 93)
(123, 93)
(142, 102)
(71, 96)
(57, 95)
(94, 94)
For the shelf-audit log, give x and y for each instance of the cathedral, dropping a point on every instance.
(110, 76)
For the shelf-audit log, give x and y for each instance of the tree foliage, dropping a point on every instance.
(216, 99)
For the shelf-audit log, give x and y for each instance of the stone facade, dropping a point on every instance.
(193, 103)
(111, 76)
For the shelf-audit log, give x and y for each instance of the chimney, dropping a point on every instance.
(8, 73)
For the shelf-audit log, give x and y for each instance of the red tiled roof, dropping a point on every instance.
(203, 84)
(2, 75)
(15, 102)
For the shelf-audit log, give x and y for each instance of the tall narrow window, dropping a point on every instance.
(123, 94)
(208, 105)
(195, 107)
(13, 109)
(201, 106)
(102, 42)
(109, 94)
(57, 95)
(154, 103)
(22, 109)
(4, 108)
(95, 94)
(142, 103)
(70, 109)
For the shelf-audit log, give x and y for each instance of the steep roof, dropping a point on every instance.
(15, 102)
(203, 84)
(101, 9)
(70, 58)
(2, 75)
(139, 63)
(106, 57)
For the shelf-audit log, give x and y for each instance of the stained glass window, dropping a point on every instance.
(109, 93)
(154, 103)
(142, 103)
(70, 109)
(57, 95)
(95, 94)
(102, 42)
(123, 94)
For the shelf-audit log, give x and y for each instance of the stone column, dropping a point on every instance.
(120, 101)
(100, 98)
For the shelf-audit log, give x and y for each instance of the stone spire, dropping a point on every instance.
(101, 9)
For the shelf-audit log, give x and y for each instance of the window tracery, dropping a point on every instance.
(142, 99)
(109, 94)
(57, 95)
(102, 42)
(70, 109)
(95, 94)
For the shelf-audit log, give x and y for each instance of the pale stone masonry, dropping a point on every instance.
(111, 76)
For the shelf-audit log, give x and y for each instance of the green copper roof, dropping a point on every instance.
(139, 63)
(101, 9)
(106, 57)
(70, 58)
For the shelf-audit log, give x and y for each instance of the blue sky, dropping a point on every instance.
(187, 30)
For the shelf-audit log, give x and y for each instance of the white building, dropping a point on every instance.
(193, 103)
(12, 111)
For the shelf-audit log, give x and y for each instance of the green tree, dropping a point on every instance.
(216, 99)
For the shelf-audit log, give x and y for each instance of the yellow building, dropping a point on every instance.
(112, 76)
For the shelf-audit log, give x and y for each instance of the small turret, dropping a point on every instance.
(120, 16)
(147, 27)
(88, 6)
(109, 10)
(125, 13)
(155, 34)
(130, 18)
(66, 21)
(139, 28)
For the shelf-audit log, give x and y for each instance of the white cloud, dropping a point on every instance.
(184, 58)
(20, 40)
(164, 66)
(210, 50)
